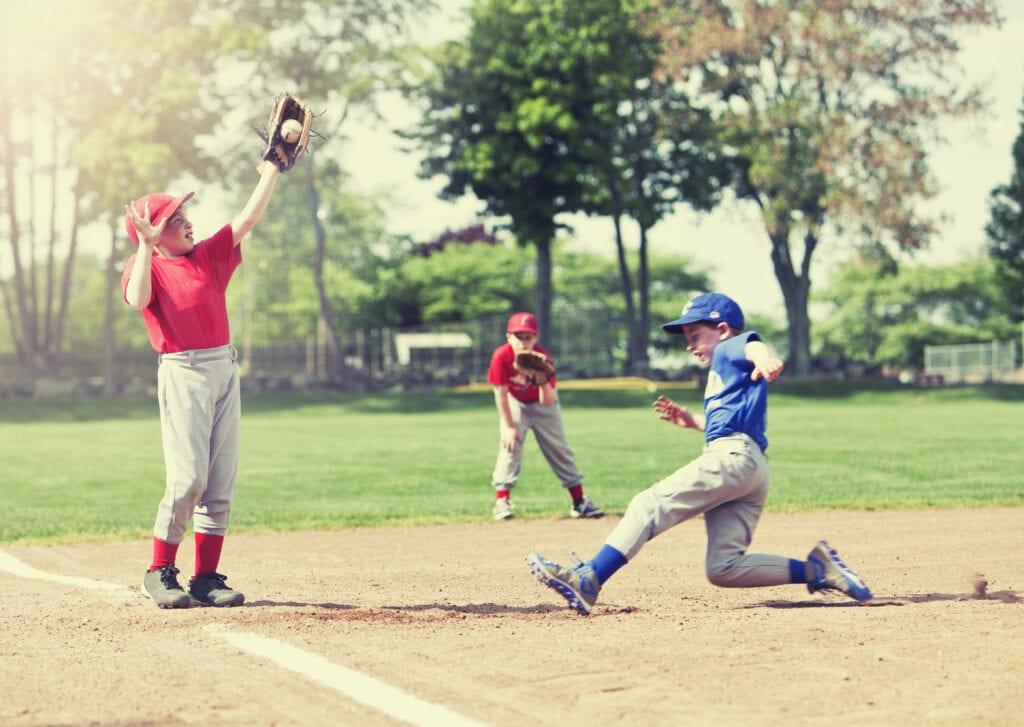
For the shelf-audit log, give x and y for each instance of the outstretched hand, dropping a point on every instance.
(149, 234)
(768, 368)
(676, 414)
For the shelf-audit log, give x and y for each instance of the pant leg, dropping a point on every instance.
(727, 470)
(211, 514)
(549, 429)
(508, 464)
(186, 422)
(730, 528)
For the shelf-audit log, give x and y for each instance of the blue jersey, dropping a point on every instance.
(733, 404)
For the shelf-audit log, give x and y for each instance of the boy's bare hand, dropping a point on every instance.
(149, 234)
(510, 437)
(769, 368)
(674, 413)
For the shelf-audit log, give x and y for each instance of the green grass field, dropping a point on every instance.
(76, 470)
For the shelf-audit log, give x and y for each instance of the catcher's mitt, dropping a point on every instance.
(536, 367)
(279, 151)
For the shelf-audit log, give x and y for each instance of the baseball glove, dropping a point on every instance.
(285, 153)
(536, 367)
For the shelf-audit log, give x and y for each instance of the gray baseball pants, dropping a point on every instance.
(549, 429)
(200, 424)
(728, 483)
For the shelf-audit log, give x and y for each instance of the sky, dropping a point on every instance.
(731, 241)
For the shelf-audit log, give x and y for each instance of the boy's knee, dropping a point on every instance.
(722, 574)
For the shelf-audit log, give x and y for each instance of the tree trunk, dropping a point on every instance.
(21, 329)
(109, 312)
(627, 293)
(318, 263)
(56, 347)
(347, 377)
(641, 361)
(795, 289)
(543, 290)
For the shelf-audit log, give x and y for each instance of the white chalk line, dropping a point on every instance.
(356, 686)
(10, 564)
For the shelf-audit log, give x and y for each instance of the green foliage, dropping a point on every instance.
(1006, 232)
(531, 112)
(827, 108)
(887, 319)
(347, 460)
(466, 282)
(274, 289)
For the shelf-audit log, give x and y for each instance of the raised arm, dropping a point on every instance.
(139, 290)
(245, 220)
(766, 364)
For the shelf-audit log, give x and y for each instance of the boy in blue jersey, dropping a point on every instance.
(727, 483)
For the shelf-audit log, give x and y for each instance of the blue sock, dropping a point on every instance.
(606, 562)
(797, 571)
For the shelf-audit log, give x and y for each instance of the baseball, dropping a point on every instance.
(290, 131)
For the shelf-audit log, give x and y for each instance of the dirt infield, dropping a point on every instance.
(451, 615)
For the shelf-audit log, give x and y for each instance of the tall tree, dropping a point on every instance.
(829, 106)
(1006, 232)
(509, 113)
(648, 148)
(88, 117)
(342, 56)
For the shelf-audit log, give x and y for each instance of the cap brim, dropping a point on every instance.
(167, 212)
(676, 326)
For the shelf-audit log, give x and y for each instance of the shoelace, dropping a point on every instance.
(217, 578)
(169, 577)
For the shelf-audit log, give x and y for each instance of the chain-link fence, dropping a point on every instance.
(971, 363)
(586, 344)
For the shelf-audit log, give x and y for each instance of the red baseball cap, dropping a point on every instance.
(522, 323)
(161, 207)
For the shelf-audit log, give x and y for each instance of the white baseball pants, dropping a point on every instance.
(728, 483)
(549, 429)
(200, 423)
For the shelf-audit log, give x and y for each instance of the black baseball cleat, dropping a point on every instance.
(161, 584)
(210, 589)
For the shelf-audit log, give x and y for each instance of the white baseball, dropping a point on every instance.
(290, 131)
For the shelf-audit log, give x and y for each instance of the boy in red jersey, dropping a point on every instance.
(522, 406)
(179, 286)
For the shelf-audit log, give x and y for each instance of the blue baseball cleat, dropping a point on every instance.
(577, 585)
(829, 572)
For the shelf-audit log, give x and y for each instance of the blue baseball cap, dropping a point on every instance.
(711, 307)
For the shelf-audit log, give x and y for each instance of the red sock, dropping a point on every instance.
(163, 554)
(576, 492)
(502, 494)
(208, 549)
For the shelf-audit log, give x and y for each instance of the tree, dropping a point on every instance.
(511, 114)
(467, 282)
(81, 129)
(1006, 232)
(885, 316)
(650, 149)
(339, 55)
(828, 106)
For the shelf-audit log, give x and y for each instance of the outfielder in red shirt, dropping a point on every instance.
(179, 286)
(523, 406)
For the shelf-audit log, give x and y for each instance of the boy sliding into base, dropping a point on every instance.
(728, 483)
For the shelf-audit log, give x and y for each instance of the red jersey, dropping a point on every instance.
(503, 373)
(188, 309)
